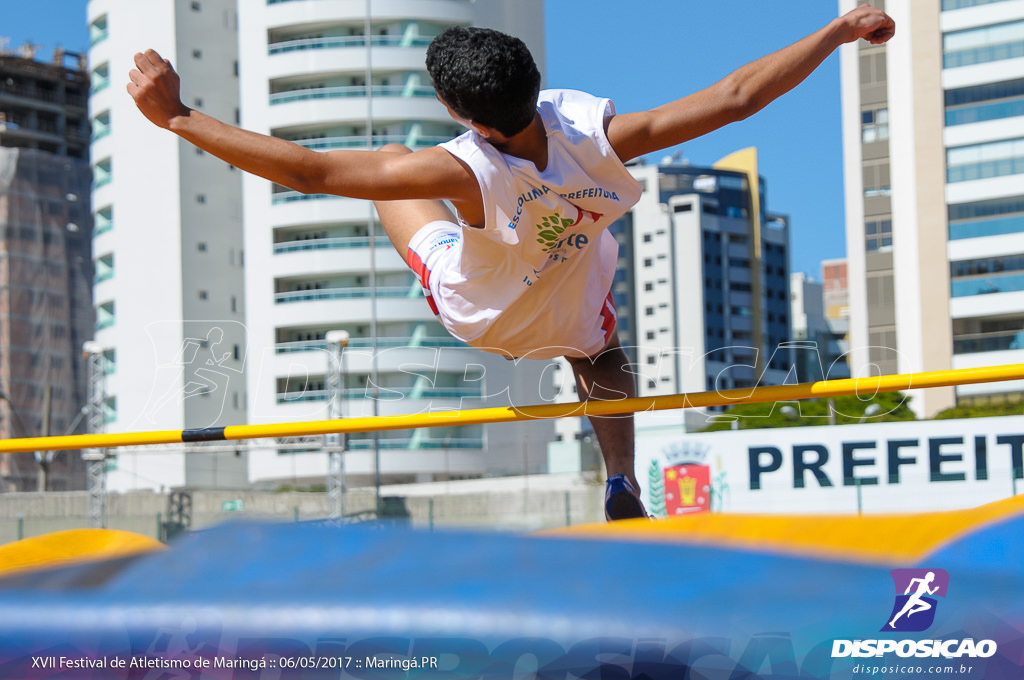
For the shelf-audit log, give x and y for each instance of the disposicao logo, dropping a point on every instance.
(916, 589)
(912, 612)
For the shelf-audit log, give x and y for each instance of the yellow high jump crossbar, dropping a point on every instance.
(506, 414)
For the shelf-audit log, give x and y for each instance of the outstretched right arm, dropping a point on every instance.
(430, 173)
(745, 91)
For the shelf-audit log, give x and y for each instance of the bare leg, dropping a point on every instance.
(402, 219)
(607, 377)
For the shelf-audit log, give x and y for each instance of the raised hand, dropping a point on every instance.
(869, 23)
(156, 88)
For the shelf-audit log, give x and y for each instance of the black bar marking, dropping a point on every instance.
(203, 434)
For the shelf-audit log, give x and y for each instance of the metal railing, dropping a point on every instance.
(359, 141)
(347, 91)
(347, 41)
(382, 343)
(385, 393)
(329, 243)
(346, 293)
(988, 342)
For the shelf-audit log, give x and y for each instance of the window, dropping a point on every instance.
(647, 238)
(200, 198)
(986, 218)
(874, 125)
(878, 234)
(649, 311)
(99, 79)
(982, 161)
(948, 5)
(981, 45)
(104, 316)
(648, 286)
(103, 268)
(100, 125)
(102, 173)
(203, 295)
(979, 103)
(98, 31)
(648, 262)
(201, 247)
(197, 54)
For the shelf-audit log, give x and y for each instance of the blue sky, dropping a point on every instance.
(655, 52)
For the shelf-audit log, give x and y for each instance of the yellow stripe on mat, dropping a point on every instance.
(62, 548)
(884, 539)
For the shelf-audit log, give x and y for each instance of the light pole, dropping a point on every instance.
(96, 459)
(335, 443)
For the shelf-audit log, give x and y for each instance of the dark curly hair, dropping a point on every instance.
(486, 77)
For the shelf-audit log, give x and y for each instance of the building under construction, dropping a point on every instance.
(46, 268)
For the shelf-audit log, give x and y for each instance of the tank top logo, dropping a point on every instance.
(551, 230)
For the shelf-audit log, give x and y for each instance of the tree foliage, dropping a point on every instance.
(982, 411)
(806, 412)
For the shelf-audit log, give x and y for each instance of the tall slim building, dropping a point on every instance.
(45, 262)
(811, 324)
(935, 212)
(709, 301)
(352, 76)
(169, 292)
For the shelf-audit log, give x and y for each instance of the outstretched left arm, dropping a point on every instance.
(746, 90)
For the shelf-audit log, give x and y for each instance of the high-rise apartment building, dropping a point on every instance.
(45, 262)
(352, 76)
(933, 151)
(708, 308)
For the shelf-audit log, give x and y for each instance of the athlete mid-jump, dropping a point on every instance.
(524, 265)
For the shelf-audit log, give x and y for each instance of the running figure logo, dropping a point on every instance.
(914, 610)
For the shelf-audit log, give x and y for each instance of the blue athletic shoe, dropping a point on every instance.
(621, 501)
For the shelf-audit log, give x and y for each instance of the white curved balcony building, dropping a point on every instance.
(336, 74)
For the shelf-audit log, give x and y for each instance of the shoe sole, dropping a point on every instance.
(624, 505)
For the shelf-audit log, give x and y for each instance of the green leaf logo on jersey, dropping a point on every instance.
(549, 230)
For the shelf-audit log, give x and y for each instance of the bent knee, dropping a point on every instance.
(395, 147)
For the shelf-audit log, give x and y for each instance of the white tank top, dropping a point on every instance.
(543, 262)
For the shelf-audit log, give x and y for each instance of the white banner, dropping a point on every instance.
(911, 466)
